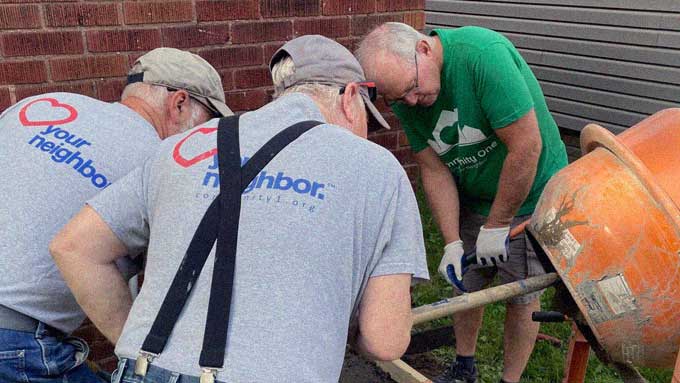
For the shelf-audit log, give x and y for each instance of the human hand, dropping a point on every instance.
(453, 255)
(492, 245)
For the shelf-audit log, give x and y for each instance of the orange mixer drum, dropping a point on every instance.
(610, 225)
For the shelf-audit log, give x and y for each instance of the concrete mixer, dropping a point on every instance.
(608, 226)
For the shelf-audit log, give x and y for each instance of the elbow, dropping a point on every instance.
(386, 346)
(533, 154)
(535, 148)
(396, 348)
(59, 248)
(386, 349)
(529, 152)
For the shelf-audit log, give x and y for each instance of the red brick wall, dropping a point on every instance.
(87, 47)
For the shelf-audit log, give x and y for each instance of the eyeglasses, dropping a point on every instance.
(400, 100)
(370, 87)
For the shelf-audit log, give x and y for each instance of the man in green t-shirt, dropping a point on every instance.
(477, 120)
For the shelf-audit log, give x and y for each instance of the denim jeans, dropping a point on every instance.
(125, 373)
(40, 357)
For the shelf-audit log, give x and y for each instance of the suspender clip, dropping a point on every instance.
(208, 375)
(143, 361)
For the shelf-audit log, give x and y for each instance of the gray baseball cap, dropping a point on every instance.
(177, 69)
(319, 59)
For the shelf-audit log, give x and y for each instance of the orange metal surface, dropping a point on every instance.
(676, 373)
(577, 358)
(610, 224)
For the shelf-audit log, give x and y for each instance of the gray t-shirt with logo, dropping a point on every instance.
(58, 150)
(329, 212)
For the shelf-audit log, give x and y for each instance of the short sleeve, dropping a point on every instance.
(123, 206)
(401, 247)
(412, 126)
(500, 86)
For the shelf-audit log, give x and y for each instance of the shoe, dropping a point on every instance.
(456, 373)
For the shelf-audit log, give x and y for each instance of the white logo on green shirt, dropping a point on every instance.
(470, 136)
(449, 120)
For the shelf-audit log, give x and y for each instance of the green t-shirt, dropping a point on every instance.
(485, 85)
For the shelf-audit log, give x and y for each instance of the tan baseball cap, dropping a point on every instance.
(177, 69)
(319, 59)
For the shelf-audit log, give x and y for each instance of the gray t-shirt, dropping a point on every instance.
(58, 150)
(327, 213)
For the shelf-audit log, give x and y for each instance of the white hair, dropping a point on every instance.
(326, 95)
(199, 114)
(393, 38)
(155, 96)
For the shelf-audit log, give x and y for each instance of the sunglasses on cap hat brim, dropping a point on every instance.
(209, 107)
(139, 77)
(372, 90)
(370, 87)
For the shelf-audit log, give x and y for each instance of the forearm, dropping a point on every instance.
(101, 292)
(516, 179)
(442, 197)
(86, 250)
(384, 317)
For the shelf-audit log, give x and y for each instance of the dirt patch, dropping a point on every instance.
(358, 370)
(425, 363)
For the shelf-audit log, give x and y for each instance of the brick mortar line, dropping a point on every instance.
(42, 15)
(242, 90)
(194, 12)
(12, 94)
(230, 45)
(46, 58)
(121, 13)
(78, 81)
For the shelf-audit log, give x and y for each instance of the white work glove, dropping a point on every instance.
(492, 245)
(453, 254)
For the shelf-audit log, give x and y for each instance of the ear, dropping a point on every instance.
(423, 47)
(178, 104)
(349, 102)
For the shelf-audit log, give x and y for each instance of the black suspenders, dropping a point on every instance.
(220, 223)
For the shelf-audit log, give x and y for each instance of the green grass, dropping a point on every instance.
(547, 361)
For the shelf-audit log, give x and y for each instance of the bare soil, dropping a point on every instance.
(359, 370)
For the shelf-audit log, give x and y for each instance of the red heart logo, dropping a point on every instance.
(184, 162)
(73, 113)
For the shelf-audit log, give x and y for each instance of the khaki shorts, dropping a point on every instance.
(522, 262)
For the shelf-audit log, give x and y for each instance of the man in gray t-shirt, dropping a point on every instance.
(58, 150)
(328, 229)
